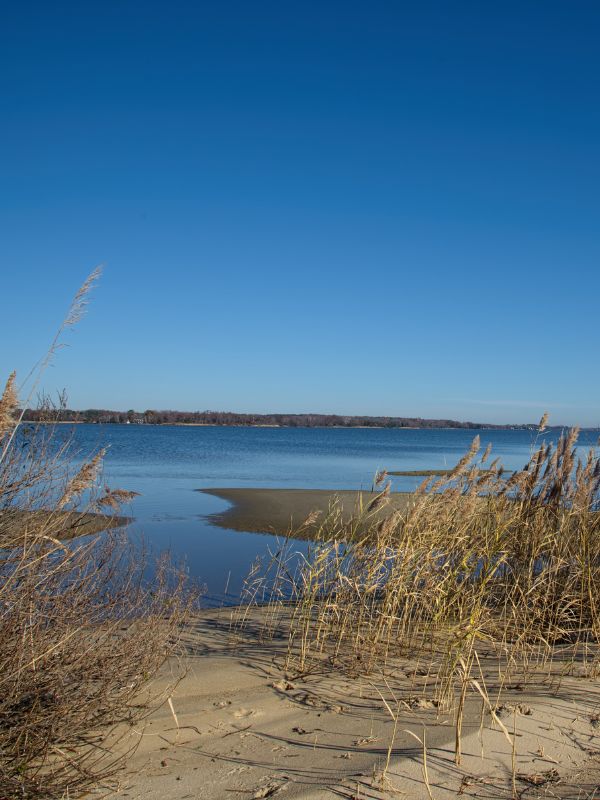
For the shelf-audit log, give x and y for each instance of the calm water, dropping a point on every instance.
(167, 463)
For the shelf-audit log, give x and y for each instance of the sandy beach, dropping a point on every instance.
(242, 728)
(279, 511)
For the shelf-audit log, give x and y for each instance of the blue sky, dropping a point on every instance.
(378, 208)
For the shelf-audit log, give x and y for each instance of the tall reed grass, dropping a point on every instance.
(483, 562)
(82, 628)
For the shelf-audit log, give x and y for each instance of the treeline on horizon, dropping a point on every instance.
(152, 417)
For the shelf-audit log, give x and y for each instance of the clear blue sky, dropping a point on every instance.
(380, 208)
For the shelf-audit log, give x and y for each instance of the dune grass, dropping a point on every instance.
(482, 568)
(82, 629)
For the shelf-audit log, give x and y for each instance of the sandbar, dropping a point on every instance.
(280, 511)
(63, 525)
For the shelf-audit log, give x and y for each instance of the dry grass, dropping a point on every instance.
(484, 566)
(82, 629)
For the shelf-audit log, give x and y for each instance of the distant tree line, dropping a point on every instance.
(152, 417)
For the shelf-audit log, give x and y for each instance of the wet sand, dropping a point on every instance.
(63, 525)
(279, 511)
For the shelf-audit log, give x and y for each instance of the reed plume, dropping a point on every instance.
(74, 314)
(82, 481)
(8, 405)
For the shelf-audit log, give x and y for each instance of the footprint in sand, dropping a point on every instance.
(242, 713)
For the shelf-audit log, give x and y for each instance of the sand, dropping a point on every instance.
(239, 726)
(64, 525)
(278, 511)
(244, 729)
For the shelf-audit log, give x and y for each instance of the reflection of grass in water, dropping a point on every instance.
(487, 580)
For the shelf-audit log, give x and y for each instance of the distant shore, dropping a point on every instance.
(475, 427)
(269, 420)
